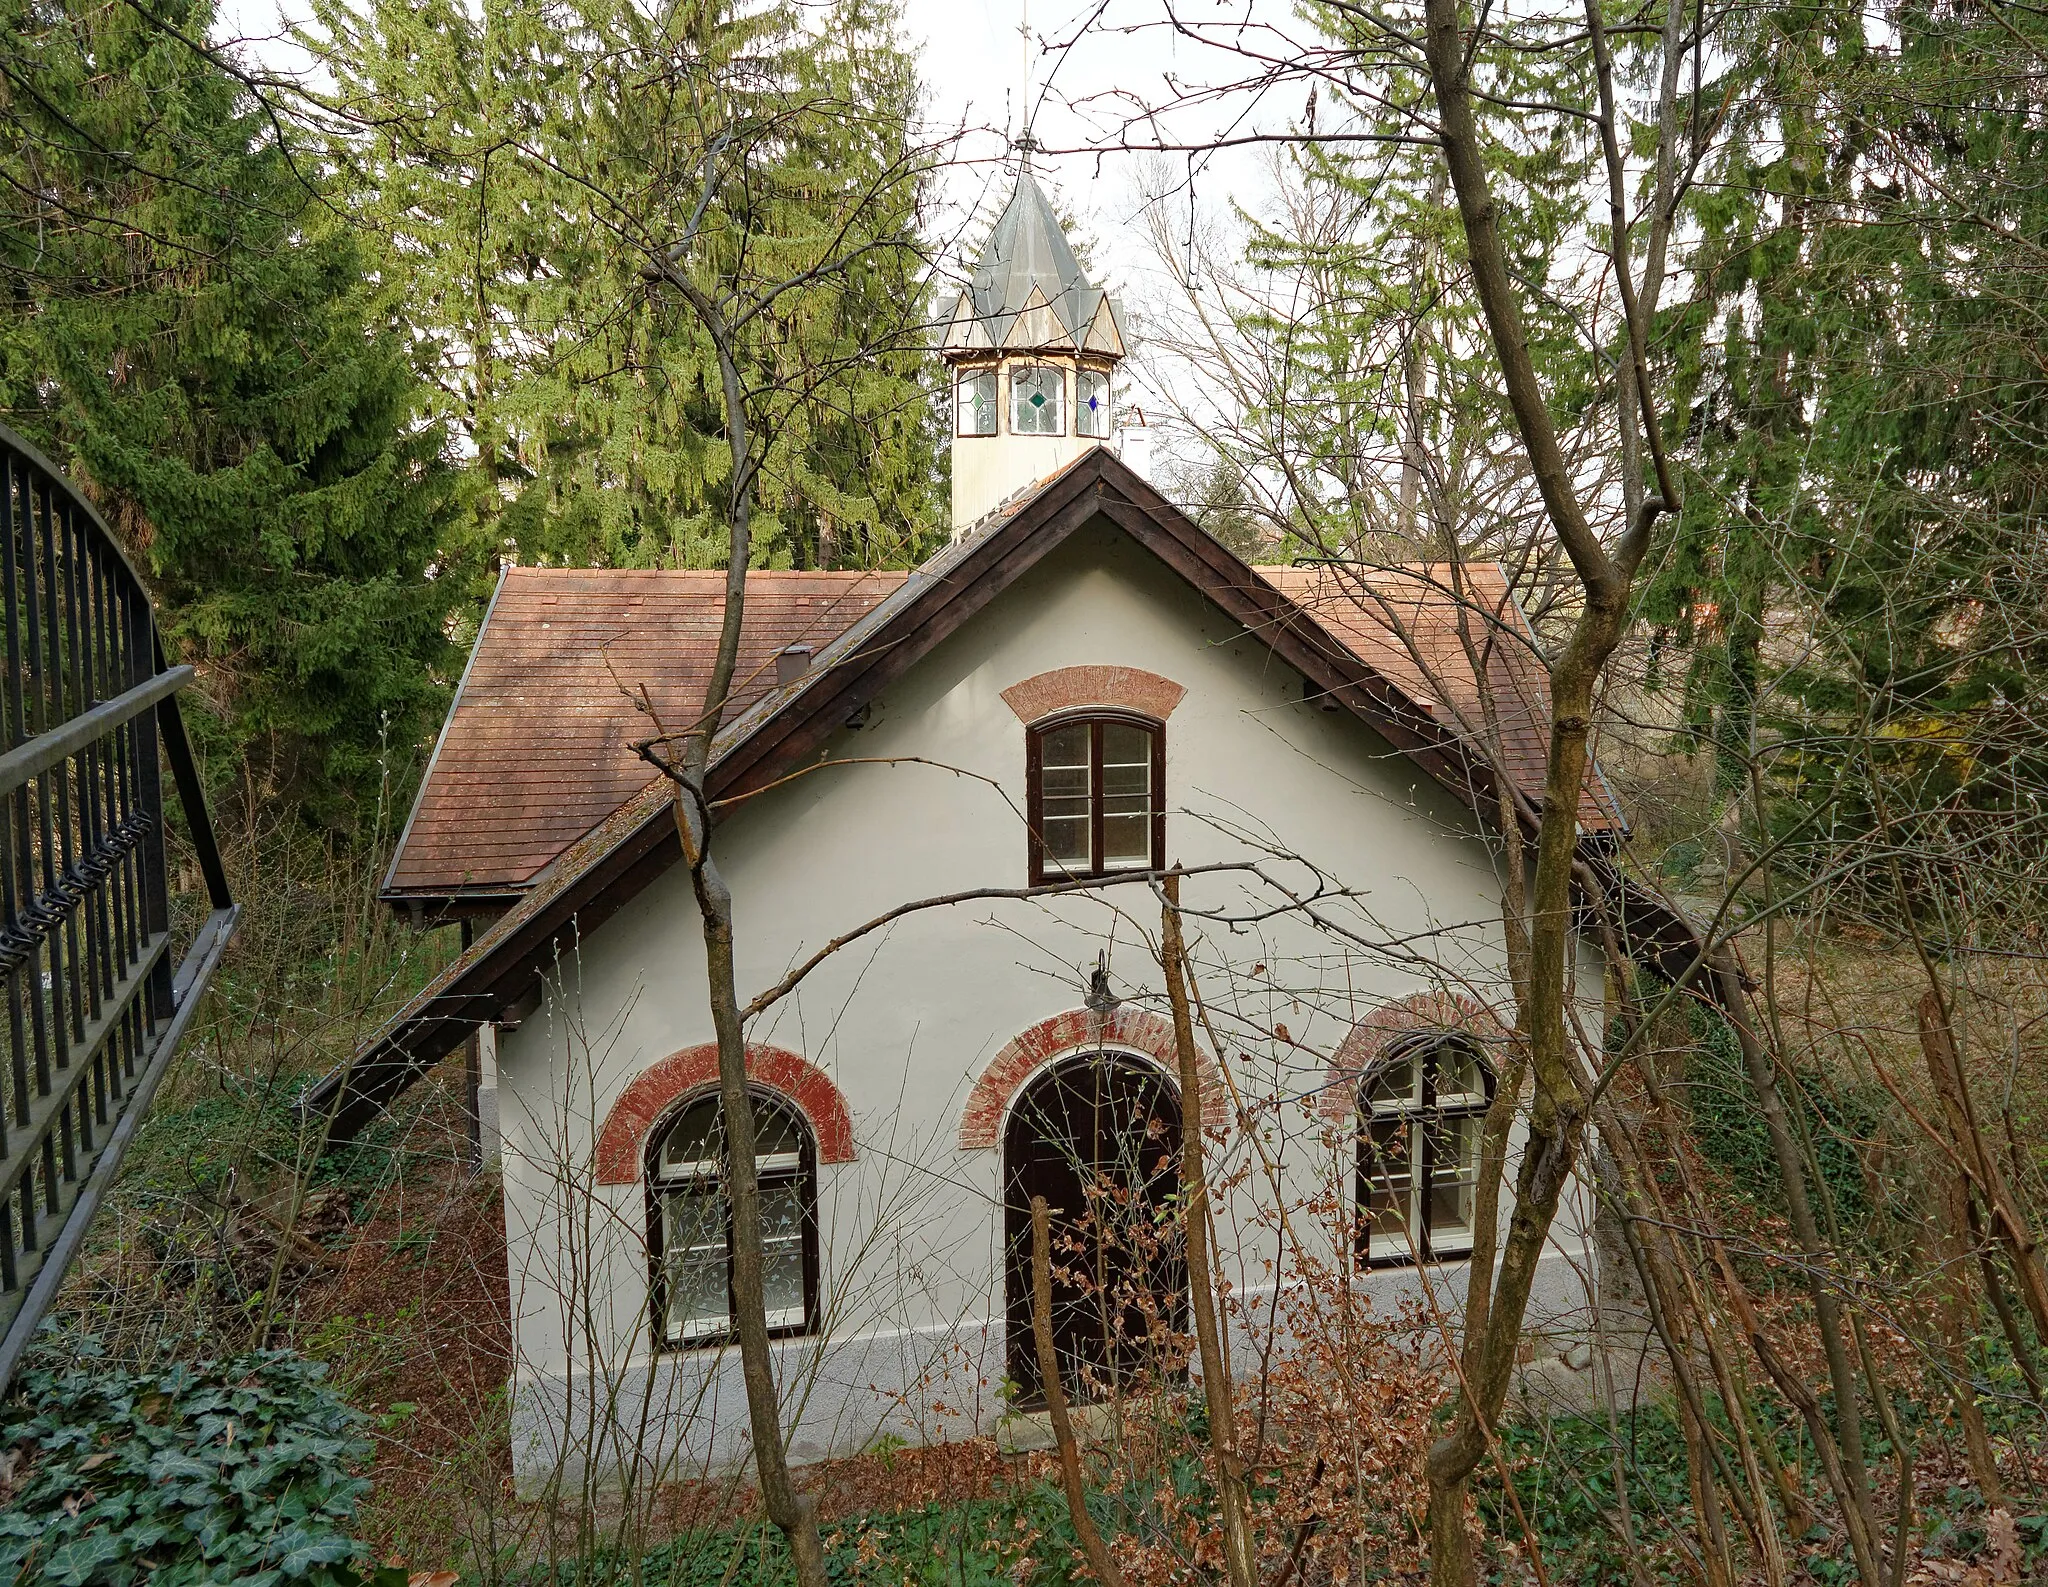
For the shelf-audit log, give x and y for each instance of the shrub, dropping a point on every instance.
(1728, 1122)
(220, 1471)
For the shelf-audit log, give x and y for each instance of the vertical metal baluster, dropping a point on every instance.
(89, 1102)
(85, 694)
(132, 934)
(33, 723)
(123, 639)
(156, 909)
(137, 667)
(54, 809)
(110, 761)
(112, 753)
(63, 672)
(128, 934)
(13, 508)
(99, 567)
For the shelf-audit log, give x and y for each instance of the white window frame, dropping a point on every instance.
(1018, 398)
(1098, 425)
(668, 1181)
(1419, 1120)
(969, 385)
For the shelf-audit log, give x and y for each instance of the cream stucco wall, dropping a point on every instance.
(906, 1019)
(987, 469)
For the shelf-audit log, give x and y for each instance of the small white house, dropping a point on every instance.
(1082, 690)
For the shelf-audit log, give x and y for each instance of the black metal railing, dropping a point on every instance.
(94, 1009)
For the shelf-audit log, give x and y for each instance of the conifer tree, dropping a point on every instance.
(1869, 437)
(1354, 374)
(192, 332)
(520, 157)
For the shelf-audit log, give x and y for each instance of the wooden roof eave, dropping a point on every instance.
(497, 970)
(500, 967)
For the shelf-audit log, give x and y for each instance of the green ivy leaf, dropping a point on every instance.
(75, 1562)
(300, 1549)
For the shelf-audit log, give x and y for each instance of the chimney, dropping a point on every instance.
(1134, 443)
(791, 663)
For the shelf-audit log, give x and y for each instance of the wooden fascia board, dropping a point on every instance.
(779, 746)
(782, 744)
(1292, 634)
(500, 975)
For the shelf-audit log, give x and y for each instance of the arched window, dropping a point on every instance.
(1420, 1115)
(1094, 789)
(977, 392)
(1091, 404)
(1036, 406)
(690, 1224)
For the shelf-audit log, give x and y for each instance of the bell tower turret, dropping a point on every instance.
(1033, 348)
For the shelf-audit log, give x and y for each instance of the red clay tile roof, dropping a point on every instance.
(1403, 622)
(537, 748)
(1313, 628)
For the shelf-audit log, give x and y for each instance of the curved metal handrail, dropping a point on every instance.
(93, 1010)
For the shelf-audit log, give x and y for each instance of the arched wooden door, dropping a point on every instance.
(1098, 1136)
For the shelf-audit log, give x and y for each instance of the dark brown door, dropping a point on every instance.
(1098, 1136)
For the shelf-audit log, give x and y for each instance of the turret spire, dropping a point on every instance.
(1033, 344)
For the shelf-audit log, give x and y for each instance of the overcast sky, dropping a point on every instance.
(972, 58)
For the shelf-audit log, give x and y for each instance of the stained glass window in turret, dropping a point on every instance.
(1091, 404)
(977, 388)
(1035, 405)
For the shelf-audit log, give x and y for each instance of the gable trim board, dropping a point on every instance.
(783, 730)
(535, 751)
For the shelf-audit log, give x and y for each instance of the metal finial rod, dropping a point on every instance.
(1024, 143)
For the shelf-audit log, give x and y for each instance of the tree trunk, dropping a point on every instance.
(1945, 1068)
(1956, 1322)
(1099, 1561)
(1818, 1265)
(1557, 1113)
(1238, 1557)
(794, 1513)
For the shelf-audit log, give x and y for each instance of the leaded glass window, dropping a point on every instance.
(1095, 793)
(1091, 404)
(1420, 1116)
(691, 1226)
(1036, 400)
(976, 389)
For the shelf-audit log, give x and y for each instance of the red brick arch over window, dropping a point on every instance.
(1362, 1047)
(1070, 688)
(621, 1144)
(1079, 1029)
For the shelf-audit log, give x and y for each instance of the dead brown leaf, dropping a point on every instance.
(2002, 1538)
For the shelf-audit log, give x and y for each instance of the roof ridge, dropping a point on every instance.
(622, 852)
(517, 568)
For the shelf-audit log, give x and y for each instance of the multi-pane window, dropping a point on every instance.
(976, 389)
(1036, 393)
(1091, 403)
(1420, 1117)
(1095, 796)
(691, 1223)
